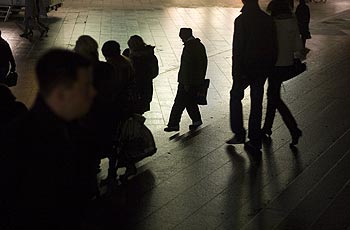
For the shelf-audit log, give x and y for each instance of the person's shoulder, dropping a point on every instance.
(239, 18)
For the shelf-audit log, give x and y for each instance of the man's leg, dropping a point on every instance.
(273, 96)
(236, 113)
(178, 107)
(192, 108)
(256, 98)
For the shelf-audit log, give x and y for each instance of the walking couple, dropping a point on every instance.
(264, 47)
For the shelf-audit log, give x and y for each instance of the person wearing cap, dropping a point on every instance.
(191, 75)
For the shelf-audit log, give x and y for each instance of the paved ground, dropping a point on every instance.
(195, 181)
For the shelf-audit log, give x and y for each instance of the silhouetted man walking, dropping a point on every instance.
(191, 75)
(253, 57)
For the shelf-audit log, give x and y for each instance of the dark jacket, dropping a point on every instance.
(254, 49)
(126, 85)
(43, 174)
(145, 65)
(303, 16)
(10, 109)
(194, 62)
(6, 56)
(101, 121)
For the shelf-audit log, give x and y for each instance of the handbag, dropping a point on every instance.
(297, 68)
(201, 97)
(135, 140)
(11, 79)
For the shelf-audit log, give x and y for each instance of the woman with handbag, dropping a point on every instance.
(289, 44)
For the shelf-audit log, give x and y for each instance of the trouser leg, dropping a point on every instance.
(178, 107)
(256, 98)
(236, 113)
(192, 107)
(273, 91)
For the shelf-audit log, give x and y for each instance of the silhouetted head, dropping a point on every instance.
(111, 49)
(185, 34)
(136, 43)
(65, 83)
(245, 2)
(87, 47)
(302, 2)
(280, 7)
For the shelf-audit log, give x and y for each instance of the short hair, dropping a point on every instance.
(111, 48)
(185, 33)
(136, 42)
(250, 1)
(58, 67)
(87, 46)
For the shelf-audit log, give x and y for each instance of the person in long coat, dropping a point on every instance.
(145, 65)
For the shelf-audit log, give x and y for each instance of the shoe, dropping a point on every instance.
(295, 137)
(172, 128)
(130, 171)
(237, 139)
(266, 132)
(252, 147)
(43, 33)
(195, 125)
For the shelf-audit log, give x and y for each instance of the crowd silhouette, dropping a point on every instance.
(87, 109)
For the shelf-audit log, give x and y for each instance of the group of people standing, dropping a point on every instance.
(264, 47)
(50, 154)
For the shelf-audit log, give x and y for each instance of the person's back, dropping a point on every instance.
(145, 65)
(254, 44)
(288, 39)
(194, 62)
(123, 69)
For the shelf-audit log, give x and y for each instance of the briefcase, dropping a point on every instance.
(203, 92)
